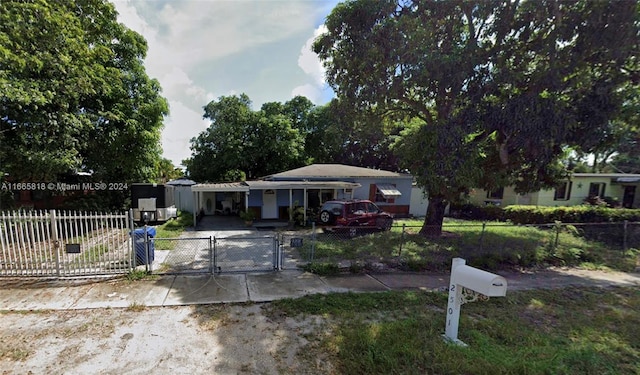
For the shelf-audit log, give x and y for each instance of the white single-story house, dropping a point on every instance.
(573, 191)
(273, 197)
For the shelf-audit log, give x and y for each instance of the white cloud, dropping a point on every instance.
(200, 50)
(309, 61)
(184, 124)
(317, 90)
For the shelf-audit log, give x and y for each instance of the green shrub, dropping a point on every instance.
(473, 212)
(574, 214)
(322, 269)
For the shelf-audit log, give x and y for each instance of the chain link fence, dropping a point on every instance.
(233, 254)
(208, 254)
(182, 255)
(490, 245)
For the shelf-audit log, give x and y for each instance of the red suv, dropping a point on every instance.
(353, 214)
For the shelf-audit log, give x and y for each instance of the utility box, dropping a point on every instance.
(147, 204)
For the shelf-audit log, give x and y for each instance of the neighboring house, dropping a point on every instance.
(624, 188)
(419, 202)
(272, 197)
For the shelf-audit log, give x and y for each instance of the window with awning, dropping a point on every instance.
(388, 191)
(628, 179)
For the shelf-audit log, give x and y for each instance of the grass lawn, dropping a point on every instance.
(489, 246)
(564, 331)
(172, 229)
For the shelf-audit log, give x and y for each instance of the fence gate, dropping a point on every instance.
(54, 243)
(236, 254)
(179, 255)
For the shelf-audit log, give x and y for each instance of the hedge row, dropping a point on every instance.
(545, 215)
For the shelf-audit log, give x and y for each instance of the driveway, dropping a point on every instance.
(237, 247)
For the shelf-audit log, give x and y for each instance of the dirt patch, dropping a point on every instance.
(220, 339)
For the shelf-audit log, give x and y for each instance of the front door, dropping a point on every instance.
(269, 204)
(209, 203)
(629, 196)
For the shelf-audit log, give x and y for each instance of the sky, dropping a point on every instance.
(200, 50)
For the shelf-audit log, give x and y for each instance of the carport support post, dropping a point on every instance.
(454, 304)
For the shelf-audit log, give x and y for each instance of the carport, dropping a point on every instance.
(204, 198)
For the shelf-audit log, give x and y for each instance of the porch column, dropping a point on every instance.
(195, 208)
(305, 205)
(246, 201)
(290, 205)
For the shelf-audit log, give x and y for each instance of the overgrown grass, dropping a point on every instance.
(491, 246)
(566, 331)
(136, 307)
(172, 229)
(94, 253)
(137, 274)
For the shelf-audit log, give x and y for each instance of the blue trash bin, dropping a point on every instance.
(138, 239)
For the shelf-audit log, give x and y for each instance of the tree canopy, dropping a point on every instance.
(74, 94)
(492, 92)
(242, 143)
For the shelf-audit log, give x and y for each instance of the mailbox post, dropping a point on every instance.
(464, 279)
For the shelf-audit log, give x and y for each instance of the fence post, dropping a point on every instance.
(484, 226)
(404, 225)
(215, 255)
(132, 260)
(55, 238)
(313, 240)
(211, 266)
(558, 228)
(146, 250)
(624, 236)
(279, 256)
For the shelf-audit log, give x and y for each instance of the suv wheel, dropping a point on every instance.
(384, 223)
(326, 217)
(353, 231)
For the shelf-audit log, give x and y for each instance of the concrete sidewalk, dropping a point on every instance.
(33, 294)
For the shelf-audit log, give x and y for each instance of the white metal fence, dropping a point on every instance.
(57, 243)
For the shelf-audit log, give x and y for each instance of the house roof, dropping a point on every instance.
(225, 186)
(334, 171)
(607, 175)
(181, 182)
(264, 185)
(256, 185)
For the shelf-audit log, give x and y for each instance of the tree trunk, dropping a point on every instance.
(435, 214)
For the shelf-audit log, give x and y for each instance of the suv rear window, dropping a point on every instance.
(334, 207)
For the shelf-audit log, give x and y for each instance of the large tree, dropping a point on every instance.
(74, 94)
(243, 143)
(335, 134)
(493, 92)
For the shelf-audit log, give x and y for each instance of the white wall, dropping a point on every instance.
(183, 198)
(419, 202)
